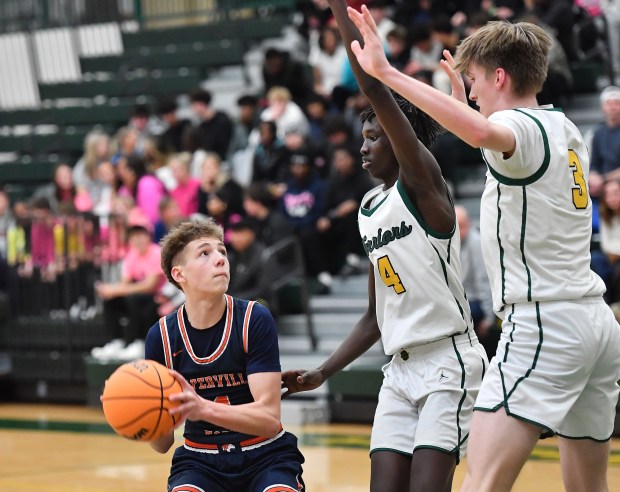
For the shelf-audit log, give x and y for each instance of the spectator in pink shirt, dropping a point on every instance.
(144, 188)
(142, 279)
(186, 191)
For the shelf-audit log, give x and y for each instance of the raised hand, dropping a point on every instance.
(299, 380)
(372, 56)
(458, 87)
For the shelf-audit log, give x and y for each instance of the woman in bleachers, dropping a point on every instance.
(607, 262)
(142, 186)
(96, 151)
(61, 192)
(327, 59)
(185, 192)
(125, 143)
(219, 196)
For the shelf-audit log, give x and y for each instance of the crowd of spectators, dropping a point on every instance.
(284, 163)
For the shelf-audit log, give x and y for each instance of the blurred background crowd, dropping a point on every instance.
(281, 164)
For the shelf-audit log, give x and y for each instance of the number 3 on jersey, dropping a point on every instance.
(388, 275)
(580, 193)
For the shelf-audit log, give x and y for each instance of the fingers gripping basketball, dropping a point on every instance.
(135, 400)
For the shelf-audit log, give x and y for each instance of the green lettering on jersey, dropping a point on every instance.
(383, 238)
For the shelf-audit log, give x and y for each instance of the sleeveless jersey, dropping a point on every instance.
(419, 295)
(216, 361)
(536, 214)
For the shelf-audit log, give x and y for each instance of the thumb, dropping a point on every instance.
(356, 48)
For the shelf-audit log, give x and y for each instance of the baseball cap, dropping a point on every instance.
(609, 93)
(136, 222)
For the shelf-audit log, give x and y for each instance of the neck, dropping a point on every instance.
(204, 312)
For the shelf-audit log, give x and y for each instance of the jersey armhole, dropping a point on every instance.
(246, 325)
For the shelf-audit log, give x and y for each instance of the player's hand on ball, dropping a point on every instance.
(190, 404)
(300, 380)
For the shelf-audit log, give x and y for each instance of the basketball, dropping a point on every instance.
(135, 400)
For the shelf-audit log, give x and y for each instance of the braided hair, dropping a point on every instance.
(425, 127)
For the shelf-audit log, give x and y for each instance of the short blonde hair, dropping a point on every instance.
(278, 93)
(521, 49)
(173, 244)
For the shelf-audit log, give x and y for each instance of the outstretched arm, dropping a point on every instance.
(465, 122)
(419, 172)
(363, 336)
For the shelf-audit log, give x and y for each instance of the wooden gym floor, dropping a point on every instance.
(45, 448)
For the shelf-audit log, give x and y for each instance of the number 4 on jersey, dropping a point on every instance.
(388, 275)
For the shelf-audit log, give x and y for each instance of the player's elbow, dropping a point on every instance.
(164, 443)
(272, 427)
(162, 449)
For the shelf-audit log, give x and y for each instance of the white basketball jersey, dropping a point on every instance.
(536, 214)
(419, 296)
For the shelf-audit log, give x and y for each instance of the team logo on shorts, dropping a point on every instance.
(228, 447)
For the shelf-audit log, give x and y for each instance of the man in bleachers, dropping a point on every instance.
(133, 297)
(605, 147)
(215, 128)
(174, 138)
(476, 283)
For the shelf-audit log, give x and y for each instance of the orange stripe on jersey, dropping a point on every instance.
(280, 488)
(187, 488)
(165, 342)
(257, 440)
(225, 336)
(246, 325)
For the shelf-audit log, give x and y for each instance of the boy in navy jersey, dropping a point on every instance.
(224, 353)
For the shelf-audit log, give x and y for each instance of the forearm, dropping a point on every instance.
(255, 419)
(164, 443)
(146, 286)
(466, 123)
(363, 336)
(350, 33)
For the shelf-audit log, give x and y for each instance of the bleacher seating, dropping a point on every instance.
(198, 55)
(156, 82)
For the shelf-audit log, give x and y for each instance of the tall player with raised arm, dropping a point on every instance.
(416, 303)
(558, 361)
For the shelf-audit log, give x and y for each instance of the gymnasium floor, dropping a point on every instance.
(46, 448)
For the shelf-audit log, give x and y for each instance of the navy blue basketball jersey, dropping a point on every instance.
(217, 361)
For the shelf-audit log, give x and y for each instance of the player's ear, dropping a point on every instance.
(500, 77)
(177, 274)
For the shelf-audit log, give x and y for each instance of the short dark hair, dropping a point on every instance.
(173, 243)
(247, 100)
(141, 111)
(425, 127)
(259, 192)
(243, 224)
(166, 106)
(274, 52)
(200, 95)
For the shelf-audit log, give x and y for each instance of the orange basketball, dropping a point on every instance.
(135, 400)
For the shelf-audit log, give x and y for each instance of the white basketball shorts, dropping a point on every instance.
(557, 366)
(427, 397)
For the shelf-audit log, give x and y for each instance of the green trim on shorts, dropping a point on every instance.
(390, 450)
(590, 438)
(528, 372)
(460, 406)
(545, 429)
(489, 410)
